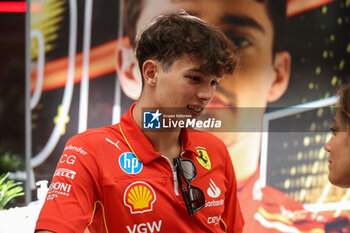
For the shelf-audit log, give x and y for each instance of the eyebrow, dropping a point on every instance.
(201, 72)
(196, 70)
(241, 21)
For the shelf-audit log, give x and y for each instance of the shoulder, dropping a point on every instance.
(206, 138)
(97, 133)
(210, 146)
(92, 138)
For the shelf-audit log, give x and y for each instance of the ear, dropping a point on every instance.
(282, 73)
(149, 70)
(128, 70)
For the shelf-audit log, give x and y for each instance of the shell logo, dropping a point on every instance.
(139, 197)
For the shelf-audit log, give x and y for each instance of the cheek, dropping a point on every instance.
(340, 172)
(179, 94)
(249, 88)
(256, 57)
(186, 89)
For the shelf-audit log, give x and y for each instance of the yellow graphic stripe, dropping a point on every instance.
(48, 20)
(103, 214)
(277, 217)
(223, 223)
(316, 230)
(127, 142)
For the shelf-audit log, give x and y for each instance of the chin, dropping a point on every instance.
(339, 183)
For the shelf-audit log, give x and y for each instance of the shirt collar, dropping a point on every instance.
(139, 143)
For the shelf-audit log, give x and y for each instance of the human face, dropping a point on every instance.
(247, 24)
(183, 86)
(339, 154)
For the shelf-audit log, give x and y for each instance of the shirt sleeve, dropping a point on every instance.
(232, 218)
(74, 189)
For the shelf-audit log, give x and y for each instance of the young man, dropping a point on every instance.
(122, 179)
(255, 26)
(261, 77)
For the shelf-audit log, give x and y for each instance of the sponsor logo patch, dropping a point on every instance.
(139, 197)
(65, 173)
(214, 203)
(51, 196)
(203, 157)
(214, 220)
(69, 159)
(145, 227)
(75, 148)
(60, 188)
(129, 163)
(213, 190)
(151, 120)
(113, 143)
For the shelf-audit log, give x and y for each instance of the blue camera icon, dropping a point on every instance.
(151, 120)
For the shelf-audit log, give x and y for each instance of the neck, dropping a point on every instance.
(166, 143)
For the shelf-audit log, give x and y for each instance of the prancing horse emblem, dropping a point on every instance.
(203, 157)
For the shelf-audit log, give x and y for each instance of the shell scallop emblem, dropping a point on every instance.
(139, 197)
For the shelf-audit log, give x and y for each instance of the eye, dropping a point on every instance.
(241, 42)
(238, 40)
(332, 130)
(194, 78)
(214, 83)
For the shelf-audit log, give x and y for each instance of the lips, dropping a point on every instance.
(195, 109)
(329, 164)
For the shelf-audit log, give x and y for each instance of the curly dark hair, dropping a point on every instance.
(170, 37)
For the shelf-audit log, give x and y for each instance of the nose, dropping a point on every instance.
(206, 92)
(327, 146)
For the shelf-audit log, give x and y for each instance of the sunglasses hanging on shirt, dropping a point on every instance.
(193, 196)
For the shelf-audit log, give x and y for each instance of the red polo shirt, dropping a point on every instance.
(112, 180)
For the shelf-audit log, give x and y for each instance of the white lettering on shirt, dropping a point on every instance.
(75, 148)
(214, 220)
(145, 227)
(68, 159)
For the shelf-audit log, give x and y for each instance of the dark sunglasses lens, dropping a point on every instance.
(188, 169)
(197, 198)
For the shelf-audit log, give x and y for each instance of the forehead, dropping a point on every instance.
(189, 65)
(213, 11)
(338, 120)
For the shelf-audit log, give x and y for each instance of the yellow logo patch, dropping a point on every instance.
(139, 197)
(203, 157)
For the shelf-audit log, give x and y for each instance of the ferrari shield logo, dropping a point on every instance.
(203, 157)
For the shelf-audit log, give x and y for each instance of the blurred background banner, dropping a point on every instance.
(75, 86)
